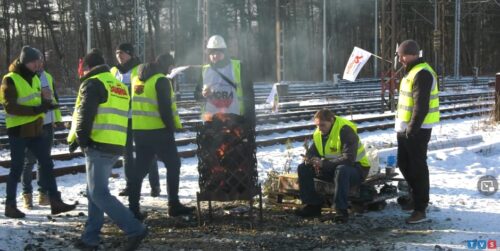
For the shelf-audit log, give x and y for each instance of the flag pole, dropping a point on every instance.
(379, 57)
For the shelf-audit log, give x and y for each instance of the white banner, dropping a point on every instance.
(358, 59)
(273, 98)
(174, 72)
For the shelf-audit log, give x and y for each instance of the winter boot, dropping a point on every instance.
(341, 216)
(123, 192)
(57, 206)
(43, 199)
(417, 217)
(134, 242)
(155, 191)
(28, 200)
(11, 211)
(141, 216)
(80, 245)
(309, 211)
(175, 208)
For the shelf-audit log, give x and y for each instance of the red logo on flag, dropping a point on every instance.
(80, 67)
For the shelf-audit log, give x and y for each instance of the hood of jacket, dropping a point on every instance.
(22, 70)
(96, 70)
(147, 70)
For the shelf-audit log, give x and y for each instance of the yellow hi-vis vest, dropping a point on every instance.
(405, 103)
(114, 70)
(57, 111)
(111, 121)
(27, 95)
(145, 112)
(237, 80)
(333, 146)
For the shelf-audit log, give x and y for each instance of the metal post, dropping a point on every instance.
(456, 67)
(436, 37)
(375, 41)
(89, 26)
(278, 42)
(324, 41)
(140, 27)
(205, 29)
(497, 98)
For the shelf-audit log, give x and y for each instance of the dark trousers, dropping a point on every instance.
(343, 176)
(161, 145)
(412, 161)
(128, 161)
(40, 148)
(30, 161)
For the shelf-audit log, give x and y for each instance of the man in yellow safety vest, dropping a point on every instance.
(25, 107)
(125, 71)
(154, 121)
(99, 127)
(417, 113)
(337, 155)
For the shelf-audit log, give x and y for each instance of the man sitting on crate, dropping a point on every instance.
(337, 155)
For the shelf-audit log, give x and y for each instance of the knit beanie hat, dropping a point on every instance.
(127, 48)
(93, 59)
(29, 54)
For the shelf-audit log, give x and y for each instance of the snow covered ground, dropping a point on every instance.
(458, 211)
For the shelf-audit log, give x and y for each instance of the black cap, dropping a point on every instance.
(29, 54)
(94, 58)
(409, 47)
(127, 48)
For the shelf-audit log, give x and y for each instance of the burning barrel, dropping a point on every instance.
(227, 164)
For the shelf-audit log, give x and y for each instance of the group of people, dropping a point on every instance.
(337, 154)
(128, 108)
(131, 107)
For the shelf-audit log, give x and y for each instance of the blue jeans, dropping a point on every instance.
(30, 161)
(343, 176)
(38, 146)
(98, 166)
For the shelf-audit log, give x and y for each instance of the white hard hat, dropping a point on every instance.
(216, 42)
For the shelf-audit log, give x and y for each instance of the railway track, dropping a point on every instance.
(303, 132)
(191, 121)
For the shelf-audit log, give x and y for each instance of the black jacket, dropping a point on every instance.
(421, 96)
(92, 94)
(247, 86)
(163, 93)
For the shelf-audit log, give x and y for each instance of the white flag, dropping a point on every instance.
(273, 98)
(174, 72)
(358, 59)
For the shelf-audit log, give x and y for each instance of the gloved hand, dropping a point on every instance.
(43, 108)
(73, 146)
(53, 106)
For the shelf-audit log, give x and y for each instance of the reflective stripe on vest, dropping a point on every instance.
(237, 80)
(333, 148)
(406, 102)
(111, 121)
(145, 112)
(27, 95)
